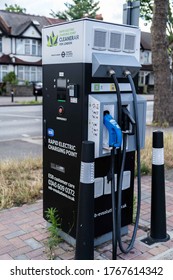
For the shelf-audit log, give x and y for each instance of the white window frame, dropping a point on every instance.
(30, 47)
(29, 73)
(3, 71)
(146, 57)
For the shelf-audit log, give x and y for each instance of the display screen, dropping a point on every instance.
(61, 83)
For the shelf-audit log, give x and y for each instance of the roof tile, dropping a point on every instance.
(16, 23)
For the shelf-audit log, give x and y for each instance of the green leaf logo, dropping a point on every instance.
(52, 40)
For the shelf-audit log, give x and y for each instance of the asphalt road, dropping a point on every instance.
(20, 131)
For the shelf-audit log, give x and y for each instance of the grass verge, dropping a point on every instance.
(146, 153)
(20, 181)
(32, 102)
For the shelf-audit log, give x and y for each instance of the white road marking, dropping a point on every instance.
(20, 116)
(25, 135)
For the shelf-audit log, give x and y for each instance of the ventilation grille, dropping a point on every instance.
(129, 43)
(100, 38)
(115, 41)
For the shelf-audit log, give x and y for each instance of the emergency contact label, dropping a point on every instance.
(61, 187)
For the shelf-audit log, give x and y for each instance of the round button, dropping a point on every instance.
(60, 110)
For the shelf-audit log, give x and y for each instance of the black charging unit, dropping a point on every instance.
(76, 92)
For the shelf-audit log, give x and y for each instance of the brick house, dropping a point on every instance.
(20, 44)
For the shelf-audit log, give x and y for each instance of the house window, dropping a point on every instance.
(3, 72)
(0, 44)
(33, 73)
(39, 74)
(146, 57)
(141, 78)
(28, 47)
(19, 46)
(29, 73)
(34, 47)
(39, 49)
(20, 73)
(26, 73)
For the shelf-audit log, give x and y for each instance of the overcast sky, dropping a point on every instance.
(111, 10)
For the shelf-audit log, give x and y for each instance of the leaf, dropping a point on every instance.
(55, 40)
(51, 41)
(48, 41)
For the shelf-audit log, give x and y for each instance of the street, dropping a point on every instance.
(20, 121)
(20, 131)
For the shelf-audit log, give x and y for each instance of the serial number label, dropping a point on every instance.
(124, 270)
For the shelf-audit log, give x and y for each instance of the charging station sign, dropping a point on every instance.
(61, 44)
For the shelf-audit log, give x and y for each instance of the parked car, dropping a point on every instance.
(37, 88)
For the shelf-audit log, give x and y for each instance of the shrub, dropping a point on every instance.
(11, 78)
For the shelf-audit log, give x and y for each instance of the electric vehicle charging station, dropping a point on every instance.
(80, 103)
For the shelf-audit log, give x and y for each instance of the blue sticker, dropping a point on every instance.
(50, 132)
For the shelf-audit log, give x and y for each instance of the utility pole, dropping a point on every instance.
(131, 11)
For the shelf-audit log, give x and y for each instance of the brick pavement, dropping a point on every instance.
(23, 232)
